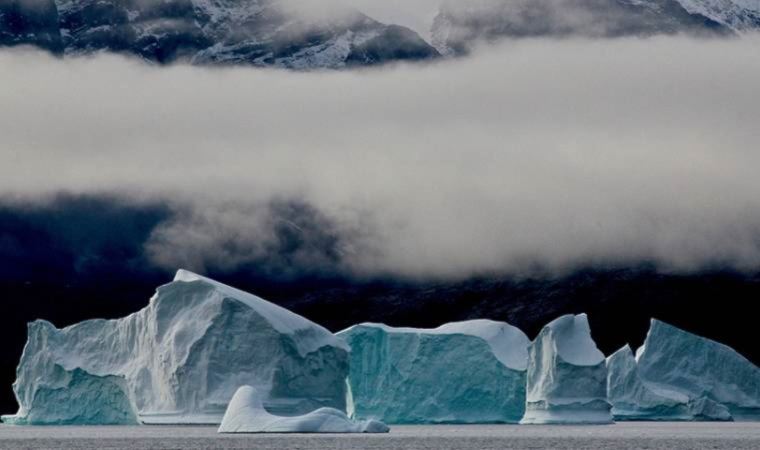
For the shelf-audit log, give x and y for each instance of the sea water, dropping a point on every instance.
(693, 435)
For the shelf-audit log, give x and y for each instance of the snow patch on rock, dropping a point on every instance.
(739, 15)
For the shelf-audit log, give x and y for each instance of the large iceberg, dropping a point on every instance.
(179, 360)
(567, 375)
(465, 372)
(632, 398)
(246, 414)
(713, 376)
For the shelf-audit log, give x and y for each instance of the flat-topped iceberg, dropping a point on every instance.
(465, 372)
(246, 414)
(567, 375)
(711, 375)
(632, 398)
(179, 360)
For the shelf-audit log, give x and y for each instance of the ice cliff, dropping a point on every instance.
(246, 414)
(465, 372)
(179, 360)
(634, 399)
(711, 375)
(76, 397)
(567, 375)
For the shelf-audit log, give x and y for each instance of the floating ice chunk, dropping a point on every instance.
(567, 375)
(705, 371)
(246, 414)
(180, 359)
(464, 372)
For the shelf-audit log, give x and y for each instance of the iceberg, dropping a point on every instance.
(567, 375)
(716, 379)
(464, 372)
(88, 400)
(246, 414)
(179, 361)
(632, 398)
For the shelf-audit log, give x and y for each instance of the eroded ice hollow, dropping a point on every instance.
(246, 414)
(567, 376)
(179, 361)
(464, 372)
(677, 375)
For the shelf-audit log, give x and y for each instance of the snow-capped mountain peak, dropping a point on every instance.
(739, 15)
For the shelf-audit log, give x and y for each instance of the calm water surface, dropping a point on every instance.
(620, 436)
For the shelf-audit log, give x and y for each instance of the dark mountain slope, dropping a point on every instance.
(242, 32)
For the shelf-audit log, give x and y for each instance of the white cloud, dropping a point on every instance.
(555, 153)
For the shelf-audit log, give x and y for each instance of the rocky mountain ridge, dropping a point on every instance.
(226, 32)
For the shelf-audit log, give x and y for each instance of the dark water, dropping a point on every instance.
(619, 436)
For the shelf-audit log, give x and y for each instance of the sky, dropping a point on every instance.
(541, 154)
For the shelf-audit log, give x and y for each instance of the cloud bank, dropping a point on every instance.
(538, 154)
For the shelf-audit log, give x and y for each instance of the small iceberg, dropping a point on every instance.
(246, 414)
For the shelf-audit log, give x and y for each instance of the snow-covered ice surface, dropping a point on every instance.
(179, 360)
(464, 372)
(567, 375)
(705, 371)
(246, 414)
(634, 399)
